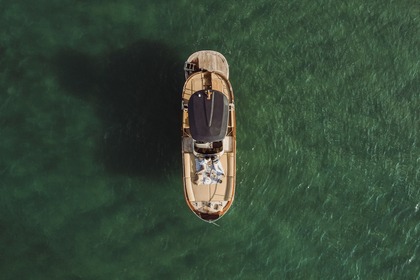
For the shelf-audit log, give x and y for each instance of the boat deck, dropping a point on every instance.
(211, 61)
(214, 192)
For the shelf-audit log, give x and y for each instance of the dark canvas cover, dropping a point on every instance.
(208, 115)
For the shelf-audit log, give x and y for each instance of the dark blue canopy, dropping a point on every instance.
(208, 115)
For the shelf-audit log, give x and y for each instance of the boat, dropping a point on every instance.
(208, 136)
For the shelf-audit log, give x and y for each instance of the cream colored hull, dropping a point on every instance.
(209, 202)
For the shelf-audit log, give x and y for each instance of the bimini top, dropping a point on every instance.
(208, 115)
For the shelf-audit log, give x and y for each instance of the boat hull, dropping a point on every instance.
(209, 201)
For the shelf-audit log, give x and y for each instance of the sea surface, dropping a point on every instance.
(328, 160)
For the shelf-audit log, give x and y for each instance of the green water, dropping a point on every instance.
(328, 164)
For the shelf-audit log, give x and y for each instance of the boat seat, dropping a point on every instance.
(203, 145)
(210, 148)
(228, 144)
(187, 144)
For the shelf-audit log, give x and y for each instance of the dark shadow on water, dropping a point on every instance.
(136, 92)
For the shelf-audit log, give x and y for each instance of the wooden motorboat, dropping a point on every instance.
(208, 136)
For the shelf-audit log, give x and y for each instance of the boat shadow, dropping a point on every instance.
(135, 92)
